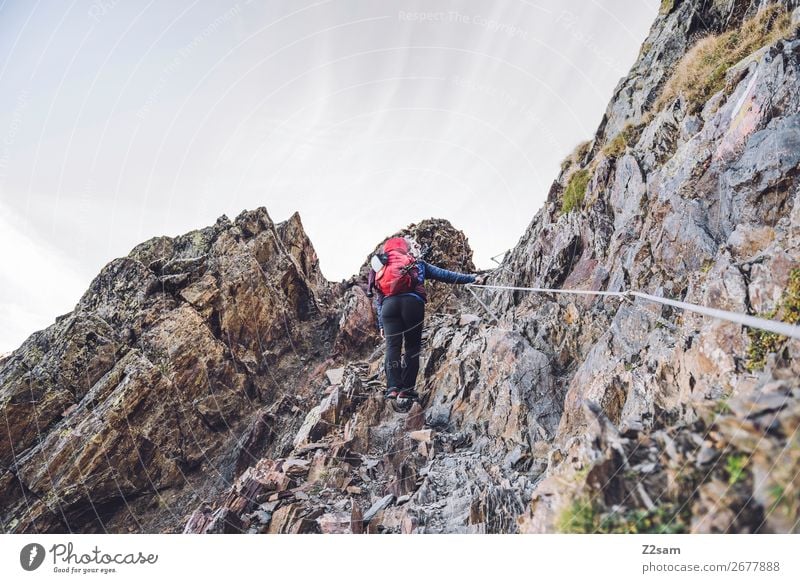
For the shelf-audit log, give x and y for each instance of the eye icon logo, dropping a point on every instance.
(31, 556)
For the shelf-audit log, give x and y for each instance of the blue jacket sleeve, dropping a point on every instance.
(430, 271)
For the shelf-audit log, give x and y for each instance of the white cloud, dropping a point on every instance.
(37, 282)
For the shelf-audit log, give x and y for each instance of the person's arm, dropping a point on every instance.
(438, 274)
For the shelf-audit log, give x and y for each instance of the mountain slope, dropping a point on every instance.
(217, 383)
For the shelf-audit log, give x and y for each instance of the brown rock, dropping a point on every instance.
(335, 523)
(423, 435)
(356, 518)
(415, 419)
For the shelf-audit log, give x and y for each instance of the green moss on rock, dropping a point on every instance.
(575, 191)
(763, 343)
(583, 516)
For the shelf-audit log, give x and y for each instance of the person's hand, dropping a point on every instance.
(480, 279)
(382, 334)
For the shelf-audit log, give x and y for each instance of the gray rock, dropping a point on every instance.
(467, 319)
(378, 506)
(335, 375)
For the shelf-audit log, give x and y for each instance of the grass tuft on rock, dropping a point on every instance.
(616, 147)
(580, 517)
(736, 467)
(584, 517)
(628, 136)
(701, 72)
(763, 343)
(577, 155)
(575, 191)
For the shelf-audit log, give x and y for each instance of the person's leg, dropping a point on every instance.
(393, 331)
(413, 312)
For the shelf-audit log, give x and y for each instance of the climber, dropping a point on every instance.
(397, 275)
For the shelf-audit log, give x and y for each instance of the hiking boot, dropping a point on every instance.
(391, 393)
(407, 394)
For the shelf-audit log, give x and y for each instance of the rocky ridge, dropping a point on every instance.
(216, 382)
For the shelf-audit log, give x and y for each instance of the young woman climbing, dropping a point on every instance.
(398, 277)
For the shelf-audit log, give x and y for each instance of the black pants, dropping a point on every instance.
(402, 323)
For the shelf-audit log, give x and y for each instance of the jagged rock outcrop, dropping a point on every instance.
(216, 382)
(153, 373)
(694, 204)
(181, 365)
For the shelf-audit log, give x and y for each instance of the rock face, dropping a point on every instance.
(216, 382)
(181, 366)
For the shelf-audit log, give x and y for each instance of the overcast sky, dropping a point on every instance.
(121, 120)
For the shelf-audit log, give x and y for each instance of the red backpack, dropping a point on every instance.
(399, 274)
